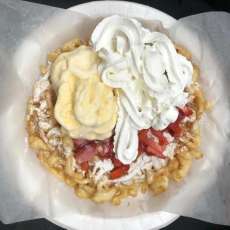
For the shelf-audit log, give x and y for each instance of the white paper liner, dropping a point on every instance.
(27, 191)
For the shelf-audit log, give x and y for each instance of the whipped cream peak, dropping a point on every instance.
(151, 76)
(126, 138)
(116, 32)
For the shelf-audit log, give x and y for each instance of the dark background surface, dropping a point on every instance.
(177, 9)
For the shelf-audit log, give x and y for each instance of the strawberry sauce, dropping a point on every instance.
(151, 141)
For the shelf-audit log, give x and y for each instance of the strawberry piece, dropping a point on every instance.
(148, 144)
(116, 162)
(119, 172)
(141, 148)
(157, 151)
(159, 134)
(125, 168)
(100, 149)
(174, 129)
(116, 173)
(85, 153)
(145, 136)
(185, 111)
(79, 143)
(108, 147)
(85, 166)
(105, 149)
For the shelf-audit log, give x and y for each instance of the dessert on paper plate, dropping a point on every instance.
(117, 115)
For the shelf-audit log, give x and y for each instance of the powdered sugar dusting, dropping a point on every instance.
(48, 129)
(39, 88)
(101, 167)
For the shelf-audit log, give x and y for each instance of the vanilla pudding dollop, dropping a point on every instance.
(149, 75)
(85, 106)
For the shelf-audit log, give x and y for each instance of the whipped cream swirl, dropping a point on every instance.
(149, 75)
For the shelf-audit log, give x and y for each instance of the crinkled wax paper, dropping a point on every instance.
(28, 33)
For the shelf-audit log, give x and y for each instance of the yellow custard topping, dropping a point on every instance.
(85, 106)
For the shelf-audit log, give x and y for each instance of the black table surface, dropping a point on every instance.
(177, 9)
